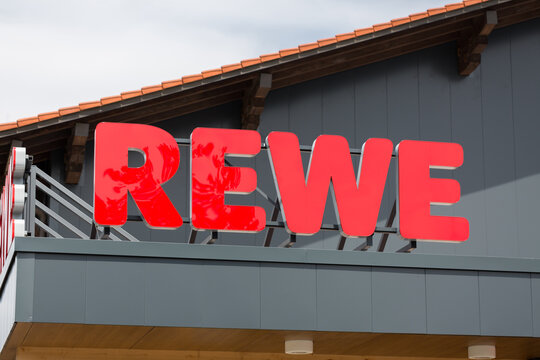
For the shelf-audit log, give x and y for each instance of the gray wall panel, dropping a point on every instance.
(24, 310)
(288, 297)
(403, 115)
(435, 69)
(275, 117)
(305, 120)
(399, 300)
(60, 274)
(501, 223)
(466, 95)
(231, 295)
(173, 293)
(526, 115)
(505, 304)
(343, 298)
(535, 288)
(8, 303)
(371, 122)
(115, 291)
(338, 118)
(452, 302)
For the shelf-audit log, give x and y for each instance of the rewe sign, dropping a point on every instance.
(357, 197)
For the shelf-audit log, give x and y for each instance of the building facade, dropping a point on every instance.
(70, 291)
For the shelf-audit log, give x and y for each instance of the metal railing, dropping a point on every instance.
(57, 199)
(39, 181)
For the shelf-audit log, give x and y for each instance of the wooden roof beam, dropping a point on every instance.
(470, 47)
(253, 104)
(74, 155)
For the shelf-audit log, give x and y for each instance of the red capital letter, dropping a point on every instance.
(113, 178)
(211, 180)
(357, 200)
(417, 191)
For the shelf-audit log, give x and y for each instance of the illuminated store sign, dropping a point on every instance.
(357, 197)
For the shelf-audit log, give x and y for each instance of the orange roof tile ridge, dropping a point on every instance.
(243, 64)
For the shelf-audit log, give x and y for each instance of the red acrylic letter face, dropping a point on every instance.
(357, 200)
(211, 180)
(113, 178)
(417, 191)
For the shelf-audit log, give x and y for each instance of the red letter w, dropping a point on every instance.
(357, 201)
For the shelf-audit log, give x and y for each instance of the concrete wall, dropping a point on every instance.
(494, 114)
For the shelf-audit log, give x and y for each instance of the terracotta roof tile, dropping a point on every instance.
(231, 67)
(8, 126)
(455, 6)
(110, 99)
(151, 89)
(346, 36)
(379, 27)
(89, 105)
(269, 57)
(249, 62)
(436, 11)
(328, 41)
(287, 52)
(400, 21)
(309, 46)
(68, 110)
(418, 16)
(242, 64)
(48, 115)
(210, 73)
(171, 83)
(191, 78)
(364, 31)
(26, 121)
(130, 94)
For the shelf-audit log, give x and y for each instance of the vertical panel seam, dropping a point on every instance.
(479, 303)
(483, 155)
(532, 304)
(85, 298)
(516, 202)
(260, 296)
(425, 299)
(371, 305)
(316, 297)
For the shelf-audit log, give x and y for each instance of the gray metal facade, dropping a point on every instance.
(494, 114)
(490, 285)
(71, 281)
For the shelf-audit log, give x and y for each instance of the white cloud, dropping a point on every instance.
(59, 53)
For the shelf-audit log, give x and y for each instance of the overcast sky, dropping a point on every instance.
(57, 53)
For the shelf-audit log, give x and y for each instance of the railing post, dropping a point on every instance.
(31, 201)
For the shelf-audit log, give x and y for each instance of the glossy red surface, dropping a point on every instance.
(211, 180)
(357, 199)
(113, 178)
(417, 191)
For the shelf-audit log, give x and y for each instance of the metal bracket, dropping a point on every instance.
(367, 244)
(289, 242)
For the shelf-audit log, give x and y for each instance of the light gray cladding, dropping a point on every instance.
(494, 114)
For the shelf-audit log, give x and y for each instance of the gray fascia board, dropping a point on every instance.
(274, 255)
(251, 69)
